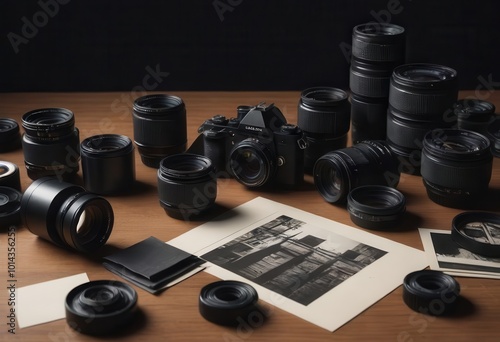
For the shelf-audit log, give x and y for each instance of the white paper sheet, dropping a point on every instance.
(44, 302)
(338, 305)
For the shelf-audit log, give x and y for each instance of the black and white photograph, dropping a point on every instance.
(284, 258)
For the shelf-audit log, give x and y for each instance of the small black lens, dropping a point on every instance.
(474, 114)
(10, 138)
(9, 175)
(367, 163)
(252, 163)
(159, 127)
(187, 185)
(108, 164)
(456, 167)
(51, 143)
(66, 215)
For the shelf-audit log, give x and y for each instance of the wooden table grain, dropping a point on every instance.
(173, 314)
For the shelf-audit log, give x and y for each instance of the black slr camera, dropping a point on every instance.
(257, 147)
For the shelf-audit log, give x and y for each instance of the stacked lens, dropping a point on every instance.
(377, 48)
(421, 98)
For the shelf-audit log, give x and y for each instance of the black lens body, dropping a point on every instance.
(160, 127)
(324, 115)
(474, 114)
(108, 164)
(10, 202)
(51, 143)
(258, 148)
(66, 215)
(456, 167)
(10, 138)
(421, 98)
(367, 163)
(377, 48)
(187, 185)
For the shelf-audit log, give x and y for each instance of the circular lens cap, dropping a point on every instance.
(478, 232)
(10, 204)
(100, 307)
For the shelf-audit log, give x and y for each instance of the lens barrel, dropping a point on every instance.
(456, 167)
(51, 143)
(324, 116)
(9, 175)
(66, 215)
(187, 185)
(367, 163)
(160, 127)
(108, 164)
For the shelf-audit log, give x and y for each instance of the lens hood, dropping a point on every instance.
(376, 206)
(430, 292)
(228, 302)
(10, 137)
(10, 203)
(100, 307)
(478, 232)
(9, 175)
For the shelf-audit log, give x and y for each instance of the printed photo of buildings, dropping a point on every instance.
(298, 264)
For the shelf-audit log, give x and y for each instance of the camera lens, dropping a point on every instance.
(159, 127)
(108, 164)
(66, 215)
(378, 42)
(368, 118)
(456, 167)
(324, 115)
(474, 114)
(367, 163)
(9, 175)
(10, 138)
(51, 143)
(187, 184)
(478, 232)
(375, 206)
(493, 133)
(252, 163)
(9, 207)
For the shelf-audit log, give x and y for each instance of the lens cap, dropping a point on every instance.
(100, 307)
(430, 292)
(478, 232)
(10, 204)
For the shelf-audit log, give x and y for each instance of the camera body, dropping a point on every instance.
(256, 147)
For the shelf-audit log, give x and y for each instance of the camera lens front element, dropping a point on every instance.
(252, 163)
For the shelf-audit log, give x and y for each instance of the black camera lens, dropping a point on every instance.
(368, 118)
(370, 80)
(474, 114)
(493, 133)
(10, 202)
(378, 42)
(376, 206)
(252, 163)
(367, 163)
(10, 138)
(9, 175)
(478, 232)
(456, 167)
(159, 127)
(187, 185)
(108, 164)
(324, 114)
(51, 143)
(66, 215)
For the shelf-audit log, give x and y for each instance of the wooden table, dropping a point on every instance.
(173, 315)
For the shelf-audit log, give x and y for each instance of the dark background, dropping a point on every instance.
(240, 45)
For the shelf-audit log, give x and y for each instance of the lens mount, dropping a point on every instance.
(100, 307)
(478, 232)
(228, 302)
(252, 163)
(375, 206)
(430, 292)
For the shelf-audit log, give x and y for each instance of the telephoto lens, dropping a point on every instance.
(474, 114)
(187, 185)
(10, 138)
(324, 116)
(51, 143)
(377, 48)
(159, 127)
(108, 164)
(367, 163)
(421, 98)
(66, 215)
(456, 167)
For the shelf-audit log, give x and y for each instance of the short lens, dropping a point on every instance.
(159, 127)
(378, 42)
(252, 163)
